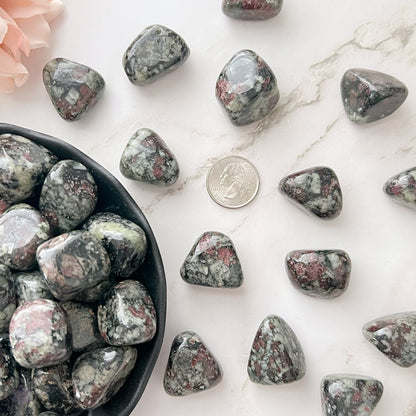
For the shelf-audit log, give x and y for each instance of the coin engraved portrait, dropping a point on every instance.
(232, 180)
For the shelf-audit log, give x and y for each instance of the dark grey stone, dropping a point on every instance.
(7, 298)
(31, 286)
(252, 9)
(9, 376)
(402, 188)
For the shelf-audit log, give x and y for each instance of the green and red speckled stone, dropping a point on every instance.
(276, 356)
(319, 273)
(127, 315)
(247, 88)
(9, 376)
(191, 367)
(395, 336)
(39, 334)
(72, 87)
(213, 262)
(316, 190)
(349, 395)
(7, 298)
(69, 195)
(402, 188)
(31, 286)
(252, 9)
(147, 158)
(371, 95)
(98, 375)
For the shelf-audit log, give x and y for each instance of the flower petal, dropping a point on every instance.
(37, 31)
(23, 9)
(12, 37)
(12, 72)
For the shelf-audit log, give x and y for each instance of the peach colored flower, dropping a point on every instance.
(24, 25)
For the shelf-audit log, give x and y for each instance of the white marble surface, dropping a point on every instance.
(309, 46)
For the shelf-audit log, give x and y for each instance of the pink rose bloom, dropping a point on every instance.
(24, 25)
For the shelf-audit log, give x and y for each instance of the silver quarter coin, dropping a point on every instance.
(233, 182)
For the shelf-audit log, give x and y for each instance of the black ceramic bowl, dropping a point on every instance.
(113, 197)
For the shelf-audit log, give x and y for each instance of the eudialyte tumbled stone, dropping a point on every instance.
(213, 262)
(395, 336)
(124, 241)
(247, 88)
(98, 375)
(23, 401)
(23, 167)
(53, 386)
(22, 231)
(68, 196)
(96, 293)
(251, 9)
(402, 188)
(319, 273)
(146, 158)
(39, 334)
(191, 367)
(371, 95)
(31, 286)
(7, 298)
(316, 190)
(127, 315)
(276, 356)
(72, 87)
(349, 395)
(155, 52)
(9, 376)
(83, 322)
(48, 413)
(73, 262)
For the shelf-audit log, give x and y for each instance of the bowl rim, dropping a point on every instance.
(129, 203)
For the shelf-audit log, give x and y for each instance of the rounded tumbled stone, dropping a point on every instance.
(123, 239)
(97, 292)
(24, 165)
(73, 262)
(72, 87)
(247, 88)
(191, 367)
(7, 298)
(98, 375)
(39, 334)
(213, 262)
(319, 273)
(9, 376)
(402, 188)
(22, 230)
(147, 158)
(276, 356)
(316, 190)
(69, 195)
(154, 53)
(371, 95)
(395, 336)
(31, 286)
(349, 395)
(127, 315)
(251, 10)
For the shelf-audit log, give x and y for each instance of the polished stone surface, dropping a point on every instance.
(316, 190)
(191, 367)
(213, 262)
(247, 88)
(31, 286)
(395, 336)
(370, 95)
(155, 52)
(147, 158)
(276, 356)
(252, 9)
(72, 87)
(7, 297)
(402, 188)
(319, 273)
(9, 376)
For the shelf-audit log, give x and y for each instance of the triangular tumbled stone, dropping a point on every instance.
(371, 95)
(402, 188)
(319, 273)
(191, 367)
(213, 262)
(316, 190)
(247, 88)
(147, 158)
(276, 355)
(72, 87)
(395, 336)
(349, 395)
(154, 53)
(251, 10)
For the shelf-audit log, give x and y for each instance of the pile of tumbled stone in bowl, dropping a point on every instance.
(70, 314)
